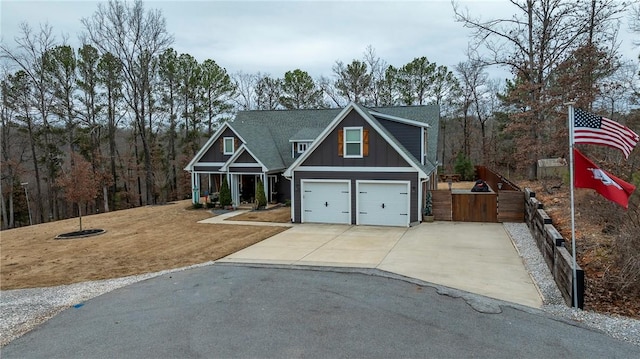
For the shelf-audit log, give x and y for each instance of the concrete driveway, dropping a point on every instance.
(474, 257)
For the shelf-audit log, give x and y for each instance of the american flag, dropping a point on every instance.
(597, 130)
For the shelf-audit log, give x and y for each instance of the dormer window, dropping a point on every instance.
(302, 146)
(228, 145)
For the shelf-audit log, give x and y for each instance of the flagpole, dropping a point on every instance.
(573, 212)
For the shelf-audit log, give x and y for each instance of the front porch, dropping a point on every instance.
(243, 187)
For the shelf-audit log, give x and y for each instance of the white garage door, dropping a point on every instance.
(326, 202)
(383, 203)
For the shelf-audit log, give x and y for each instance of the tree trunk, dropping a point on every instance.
(138, 172)
(80, 215)
(112, 145)
(36, 168)
(105, 196)
(5, 219)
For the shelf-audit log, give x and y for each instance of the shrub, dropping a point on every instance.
(197, 205)
(428, 205)
(225, 193)
(261, 199)
(626, 248)
(464, 167)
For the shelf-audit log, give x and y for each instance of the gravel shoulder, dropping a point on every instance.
(21, 310)
(619, 327)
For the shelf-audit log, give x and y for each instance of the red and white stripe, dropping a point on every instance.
(610, 134)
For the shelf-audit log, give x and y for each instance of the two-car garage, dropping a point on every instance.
(381, 203)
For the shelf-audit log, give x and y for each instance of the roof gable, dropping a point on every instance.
(239, 154)
(207, 146)
(373, 123)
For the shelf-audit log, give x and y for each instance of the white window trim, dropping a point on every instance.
(345, 142)
(224, 145)
(301, 147)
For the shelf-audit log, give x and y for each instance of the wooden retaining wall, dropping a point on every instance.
(510, 206)
(552, 246)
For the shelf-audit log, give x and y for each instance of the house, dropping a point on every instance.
(356, 165)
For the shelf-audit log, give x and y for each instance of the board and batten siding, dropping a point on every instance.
(412, 177)
(408, 135)
(214, 153)
(381, 154)
(283, 187)
(245, 157)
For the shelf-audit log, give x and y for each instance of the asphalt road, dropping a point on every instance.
(228, 311)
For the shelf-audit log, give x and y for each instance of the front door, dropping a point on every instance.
(247, 188)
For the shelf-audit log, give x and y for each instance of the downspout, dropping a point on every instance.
(421, 196)
(293, 195)
(265, 186)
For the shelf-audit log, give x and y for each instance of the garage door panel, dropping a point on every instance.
(383, 203)
(326, 202)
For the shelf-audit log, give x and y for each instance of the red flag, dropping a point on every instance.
(588, 175)
(597, 130)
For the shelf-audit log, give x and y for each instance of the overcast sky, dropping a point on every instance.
(273, 37)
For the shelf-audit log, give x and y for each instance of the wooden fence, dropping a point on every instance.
(441, 205)
(474, 207)
(495, 180)
(552, 246)
(504, 204)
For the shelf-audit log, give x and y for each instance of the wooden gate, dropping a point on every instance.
(474, 207)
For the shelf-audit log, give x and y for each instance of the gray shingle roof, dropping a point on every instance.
(306, 134)
(267, 133)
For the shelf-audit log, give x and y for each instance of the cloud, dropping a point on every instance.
(278, 36)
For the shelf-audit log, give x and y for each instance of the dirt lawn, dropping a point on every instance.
(139, 240)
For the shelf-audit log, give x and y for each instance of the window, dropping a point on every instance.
(228, 146)
(302, 146)
(352, 142)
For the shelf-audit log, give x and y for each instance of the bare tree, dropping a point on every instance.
(531, 44)
(29, 56)
(471, 79)
(328, 87)
(634, 21)
(245, 85)
(136, 38)
(377, 68)
(268, 91)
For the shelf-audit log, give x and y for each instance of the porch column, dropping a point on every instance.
(265, 184)
(235, 191)
(195, 188)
